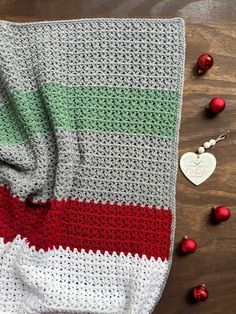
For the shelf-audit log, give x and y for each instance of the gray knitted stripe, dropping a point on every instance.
(123, 168)
(101, 52)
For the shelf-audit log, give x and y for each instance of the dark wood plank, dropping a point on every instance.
(210, 27)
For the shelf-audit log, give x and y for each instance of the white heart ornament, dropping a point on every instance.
(197, 167)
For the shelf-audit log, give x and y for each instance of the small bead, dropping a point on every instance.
(207, 145)
(201, 150)
(212, 142)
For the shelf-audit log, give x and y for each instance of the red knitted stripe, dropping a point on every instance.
(87, 225)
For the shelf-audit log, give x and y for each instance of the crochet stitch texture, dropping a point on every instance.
(89, 128)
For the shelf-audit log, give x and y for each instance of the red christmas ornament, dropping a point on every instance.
(205, 62)
(221, 213)
(200, 293)
(216, 105)
(188, 245)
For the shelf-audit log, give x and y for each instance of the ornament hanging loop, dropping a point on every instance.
(223, 136)
(212, 142)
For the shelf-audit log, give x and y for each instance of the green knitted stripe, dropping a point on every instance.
(93, 108)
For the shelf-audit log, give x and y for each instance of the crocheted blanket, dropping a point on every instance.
(89, 121)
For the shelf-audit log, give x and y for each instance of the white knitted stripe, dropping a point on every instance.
(76, 282)
(107, 52)
(92, 166)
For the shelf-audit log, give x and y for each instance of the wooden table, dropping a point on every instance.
(210, 27)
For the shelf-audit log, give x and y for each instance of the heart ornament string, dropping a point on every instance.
(199, 166)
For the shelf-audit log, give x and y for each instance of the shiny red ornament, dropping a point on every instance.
(216, 105)
(221, 213)
(200, 293)
(205, 62)
(188, 245)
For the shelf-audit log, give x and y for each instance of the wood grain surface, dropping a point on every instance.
(210, 27)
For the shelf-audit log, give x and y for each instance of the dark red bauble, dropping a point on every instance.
(216, 105)
(205, 62)
(200, 293)
(221, 213)
(188, 245)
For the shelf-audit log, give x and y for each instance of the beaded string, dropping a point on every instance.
(212, 142)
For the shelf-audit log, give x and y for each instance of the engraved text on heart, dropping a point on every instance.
(199, 171)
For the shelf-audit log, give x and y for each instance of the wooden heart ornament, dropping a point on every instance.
(197, 167)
